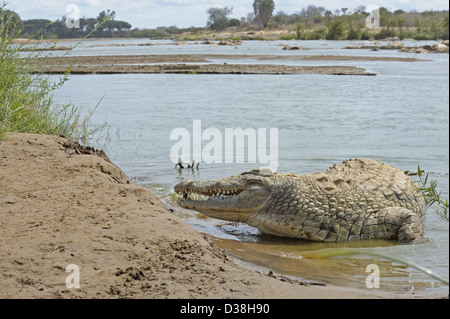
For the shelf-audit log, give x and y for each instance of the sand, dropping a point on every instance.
(62, 204)
(194, 64)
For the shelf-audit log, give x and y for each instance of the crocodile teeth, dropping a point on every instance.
(204, 195)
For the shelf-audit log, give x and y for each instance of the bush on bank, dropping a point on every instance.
(26, 98)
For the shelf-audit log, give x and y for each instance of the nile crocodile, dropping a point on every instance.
(358, 199)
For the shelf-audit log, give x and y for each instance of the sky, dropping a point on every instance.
(187, 13)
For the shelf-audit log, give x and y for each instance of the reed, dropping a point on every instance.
(432, 195)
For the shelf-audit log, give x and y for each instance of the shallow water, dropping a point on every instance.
(400, 117)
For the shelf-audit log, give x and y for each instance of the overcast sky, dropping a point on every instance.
(186, 13)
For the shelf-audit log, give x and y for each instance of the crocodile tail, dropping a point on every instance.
(411, 229)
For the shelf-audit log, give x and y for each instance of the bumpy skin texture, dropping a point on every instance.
(356, 200)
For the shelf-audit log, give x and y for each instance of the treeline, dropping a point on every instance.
(308, 23)
(346, 24)
(317, 22)
(103, 26)
(314, 23)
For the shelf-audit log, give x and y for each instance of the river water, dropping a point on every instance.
(401, 117)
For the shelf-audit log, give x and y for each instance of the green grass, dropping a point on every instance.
(26, 98)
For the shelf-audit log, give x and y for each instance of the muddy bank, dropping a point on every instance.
(61, 48)
(206, 58)
(209, 69)
(203, 64)
(400, 46)
(62, 204)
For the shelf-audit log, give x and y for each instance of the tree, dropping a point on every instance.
(360, 9)
(15, 23)
(300, 28)
(218, 18)
(399, 22)
(445, 21)
(106, 15)
(418, 24)
(88, 24)
(336, 29)
(328, 16)
(280, 18)
(103, 19)
(234, 22)
(386, 19)
(35, 28)
(311, 11)
(312, 14)
(263, 10)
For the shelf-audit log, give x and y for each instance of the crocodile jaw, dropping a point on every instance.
(235, 204)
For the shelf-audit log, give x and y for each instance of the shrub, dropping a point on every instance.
(354, 34)
(336, 29)
(366, 35)
(288, 37)
(384, 33)
(234, 22)
(26, 98)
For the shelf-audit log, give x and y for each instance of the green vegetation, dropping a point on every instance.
(26, 99)
(299, 29)
(336, 29)
(263, 10)
(165, 32)
(432, 196)
(218, 18)
(308, 23)
(347, 24)
(103, 26)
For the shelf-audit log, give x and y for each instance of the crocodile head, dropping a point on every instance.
(233, 198)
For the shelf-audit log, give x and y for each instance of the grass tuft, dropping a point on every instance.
(26, 98)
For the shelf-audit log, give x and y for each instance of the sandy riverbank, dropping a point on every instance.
(186, 64)
(63, 204)
(201, 64)
(207, 58)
